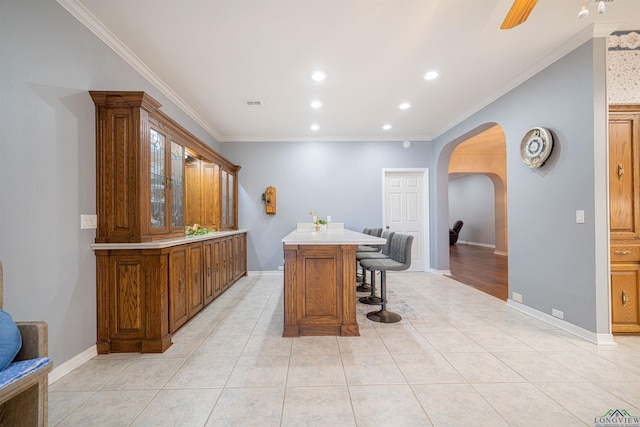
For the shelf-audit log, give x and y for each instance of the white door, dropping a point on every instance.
(405, 212)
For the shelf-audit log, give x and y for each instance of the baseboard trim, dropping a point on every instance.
(592, 337)
(443, 272)
(71, 364)
(484, 245)
(265, 273)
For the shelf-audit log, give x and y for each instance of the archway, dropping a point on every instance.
(482, 152)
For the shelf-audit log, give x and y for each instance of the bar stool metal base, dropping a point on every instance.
(384, 316)
(370, 300)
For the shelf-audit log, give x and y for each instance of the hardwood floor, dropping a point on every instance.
(479, 267)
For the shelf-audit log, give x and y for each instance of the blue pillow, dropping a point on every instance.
(10, 339)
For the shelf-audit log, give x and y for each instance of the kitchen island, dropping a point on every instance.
(320, 280)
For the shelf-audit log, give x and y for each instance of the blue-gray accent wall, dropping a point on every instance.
(48, 63)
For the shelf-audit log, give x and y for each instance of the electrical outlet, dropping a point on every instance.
(580, 217)
(516, 297)
(280, 267)
(557, 313)
(88, 222)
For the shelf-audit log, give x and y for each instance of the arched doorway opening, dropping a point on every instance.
(478, 197)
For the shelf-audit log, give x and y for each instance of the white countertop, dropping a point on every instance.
(331, 237)
(165, 243)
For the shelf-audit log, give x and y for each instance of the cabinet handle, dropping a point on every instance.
(197, 276)
(621, 252)
(208, 271)
(625, 298)
(620, 171)
(217, 266)
(180, 286)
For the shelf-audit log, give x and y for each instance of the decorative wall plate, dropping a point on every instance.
(536, 147)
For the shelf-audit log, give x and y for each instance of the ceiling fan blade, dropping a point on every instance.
(518, 13)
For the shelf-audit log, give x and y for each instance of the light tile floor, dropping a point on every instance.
(458, 357)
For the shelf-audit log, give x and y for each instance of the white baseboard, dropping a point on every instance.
(592, 337)
(71, 364)
(484, 245)
(443, 272)
(265, 273)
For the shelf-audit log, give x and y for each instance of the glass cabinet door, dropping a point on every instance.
(177, 184)
(158, 180)
(223, 197)
(230, 194)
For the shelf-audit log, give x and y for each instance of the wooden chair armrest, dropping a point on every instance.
(35, 340)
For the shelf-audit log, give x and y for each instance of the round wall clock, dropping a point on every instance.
(536, 147)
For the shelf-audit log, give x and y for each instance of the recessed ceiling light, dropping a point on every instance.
(386, 127)
(314, 127)
(318, 76)
(316, 104)
(404, 106)
(431, 75)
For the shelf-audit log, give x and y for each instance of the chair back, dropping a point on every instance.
(457, 226)
(375, 232)
(386, 248)
(401, 249)
(366, 231)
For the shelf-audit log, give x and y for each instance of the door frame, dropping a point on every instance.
(425, 207)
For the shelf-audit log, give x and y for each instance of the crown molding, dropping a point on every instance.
(412, 138)
(82, 14)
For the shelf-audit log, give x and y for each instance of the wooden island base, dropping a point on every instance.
(320, 290)
(320, 281)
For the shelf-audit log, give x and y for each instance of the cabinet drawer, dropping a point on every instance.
(622, 253)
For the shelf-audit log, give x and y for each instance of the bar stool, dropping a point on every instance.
(367, 248)
(400, 260)
(371, 232)
(384, 253)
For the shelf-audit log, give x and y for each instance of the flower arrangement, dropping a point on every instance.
(196, 230)
(317, 222)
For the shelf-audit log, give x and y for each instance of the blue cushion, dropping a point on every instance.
(20, 369)
(10, 339)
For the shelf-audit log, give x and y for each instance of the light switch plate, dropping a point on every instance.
(580, 217)
(88, 222)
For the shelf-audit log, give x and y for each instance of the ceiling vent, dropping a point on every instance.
(253, 103)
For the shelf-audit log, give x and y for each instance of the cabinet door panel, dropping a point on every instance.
(217, 284)
(210, 194)
(209, 272)
(193, 193)
(625, 314)
(178, 306)
(196, 290)
(623, 176)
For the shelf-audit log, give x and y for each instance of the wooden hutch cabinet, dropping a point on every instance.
(153, 178)
(624, 208)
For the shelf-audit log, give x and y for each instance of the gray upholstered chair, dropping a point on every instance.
(371, 232)
(400, 259)
(384, 253)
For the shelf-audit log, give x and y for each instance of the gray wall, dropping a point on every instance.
(341, 179)
(552, 260)
(472, 200)
(47, 165)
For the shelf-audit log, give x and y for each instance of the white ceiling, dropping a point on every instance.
(210, 56)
